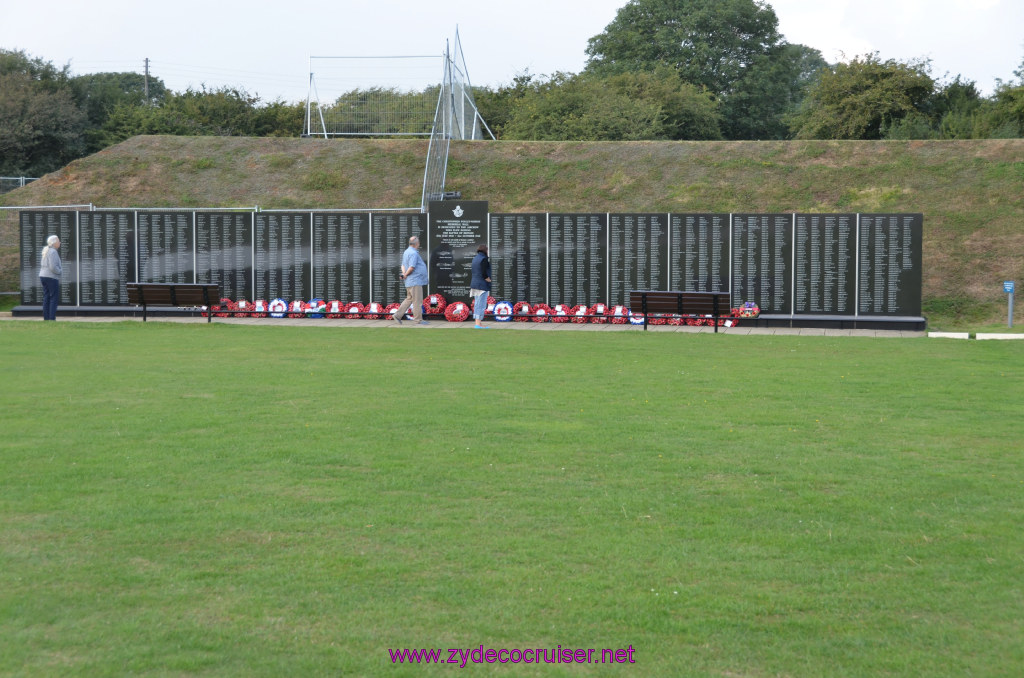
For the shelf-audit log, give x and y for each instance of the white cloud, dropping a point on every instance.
(979, 39)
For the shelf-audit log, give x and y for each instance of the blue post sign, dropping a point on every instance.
(1008, 286)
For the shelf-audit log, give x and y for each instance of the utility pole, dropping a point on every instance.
(146, 85)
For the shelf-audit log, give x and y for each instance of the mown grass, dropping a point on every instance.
(265, 501)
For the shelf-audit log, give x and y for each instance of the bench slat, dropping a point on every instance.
(680, 303)
(172, 294)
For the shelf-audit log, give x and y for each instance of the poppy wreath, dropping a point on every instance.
(242, 308)
(317, 307)
(435, 303)
(521, 312)
(373, 311)
(676, 320)
(749, 310)
(541, 313)
(657, 319)
(580, 313)
(491, 301)
(503, 311)
(620, 315)
(297, 309)
(560, 313)
(353, 309)
(259, 308)
(277, 308)
(598, 314)
(456, 312)
(334, 308)
(225, 306)
(391, 309)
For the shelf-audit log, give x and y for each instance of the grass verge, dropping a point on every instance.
(265, 501)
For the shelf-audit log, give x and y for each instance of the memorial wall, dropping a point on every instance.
(788, 264)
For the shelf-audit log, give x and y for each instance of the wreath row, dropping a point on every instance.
(459, 311)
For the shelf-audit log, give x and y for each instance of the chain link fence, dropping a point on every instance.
(11, 183)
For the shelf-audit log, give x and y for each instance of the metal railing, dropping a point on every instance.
(11, 183)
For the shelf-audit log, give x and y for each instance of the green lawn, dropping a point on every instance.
(219, 500)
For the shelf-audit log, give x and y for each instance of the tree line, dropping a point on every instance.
(49, 117)
(661, 70)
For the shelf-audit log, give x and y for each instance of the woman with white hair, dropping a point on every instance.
(49, 274)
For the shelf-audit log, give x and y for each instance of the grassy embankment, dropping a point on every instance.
(969, 191)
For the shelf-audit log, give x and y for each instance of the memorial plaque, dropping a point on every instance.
(577, 259)
(456, 229)
(389, 238)
(106, 252)
(224, 252)
(637, 254)
(699, 252)
(36, 227)
(166, 247)
(762, 256)
(823, 264)
(341, 256)
(283, 256)
(889, 264)
(519, 257)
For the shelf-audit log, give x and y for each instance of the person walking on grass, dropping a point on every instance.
(480, 285)
(49, 275)
(414, 273)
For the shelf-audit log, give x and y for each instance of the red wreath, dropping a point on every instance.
(225, 305)
(521, 312)
(491, 301)
(456, 312)
(541, 313)
(242, 309)
(579, 313)
(391, 309)
(334, 308)
(598, 314)
(297, 309)
(259, 308)
(734, 316)
(620, 315)
(373, 311)
(435, 303)
(560, 313)
(353, 309)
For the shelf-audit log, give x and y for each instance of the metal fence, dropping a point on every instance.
(456, 117)
(11, 183)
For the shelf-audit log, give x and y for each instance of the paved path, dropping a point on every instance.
(442, 325)
(445, 326)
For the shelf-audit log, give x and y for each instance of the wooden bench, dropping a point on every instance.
(170, 294)
(714, 304)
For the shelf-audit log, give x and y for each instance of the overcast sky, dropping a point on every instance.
(265, 48)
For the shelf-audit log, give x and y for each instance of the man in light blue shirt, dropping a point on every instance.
(414, 272)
